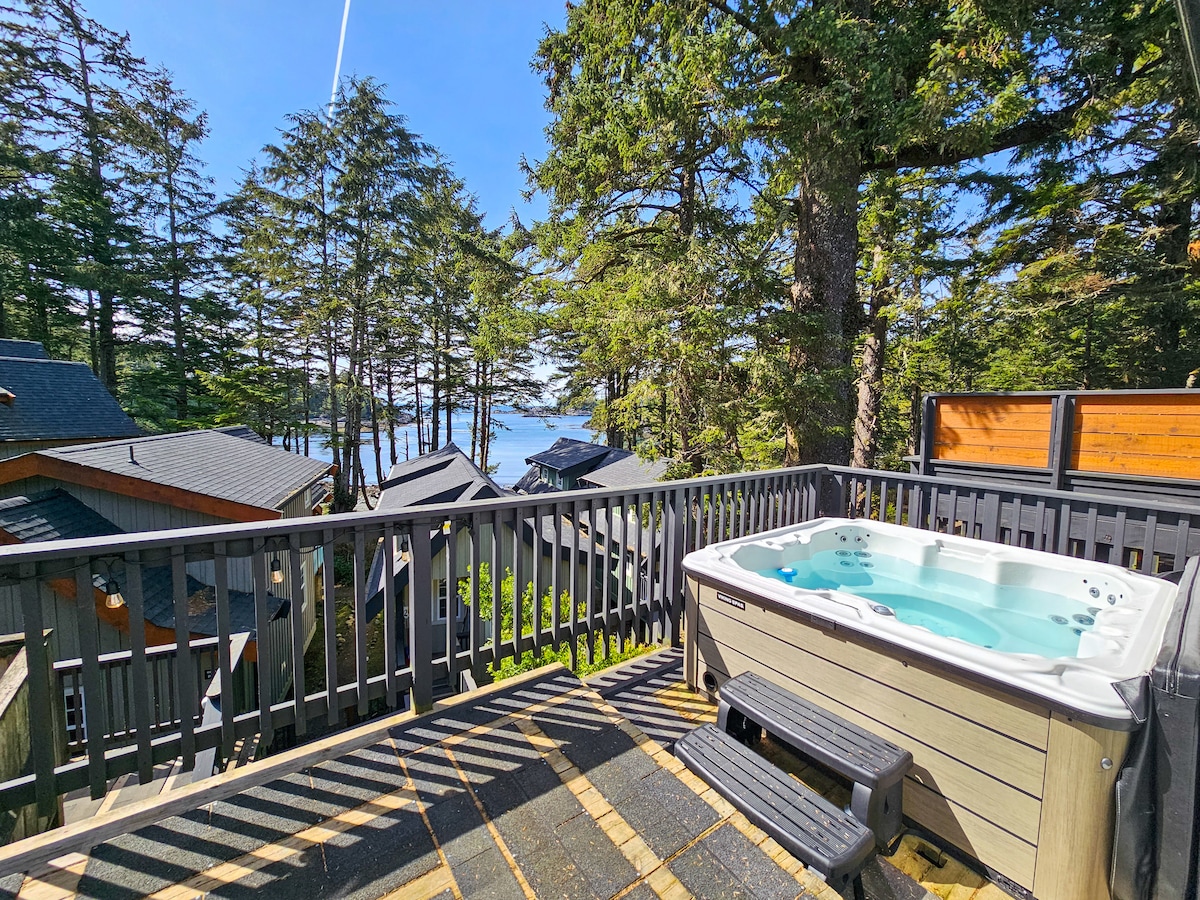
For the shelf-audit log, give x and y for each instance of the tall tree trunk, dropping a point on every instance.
(391, 410)
(91, 320)
(870, 374)
(822, 292)
(375, 423)
(180, 361)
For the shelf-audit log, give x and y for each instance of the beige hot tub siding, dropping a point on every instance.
(1018, 787)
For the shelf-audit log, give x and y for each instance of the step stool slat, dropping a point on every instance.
(827, 840)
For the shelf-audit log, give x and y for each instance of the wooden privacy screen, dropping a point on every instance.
(1128, 434)
(1142, 433)
(1002, 431)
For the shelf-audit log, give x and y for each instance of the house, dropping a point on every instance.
(447, 476)
(570, 464)
(47, 403)
(155, 483)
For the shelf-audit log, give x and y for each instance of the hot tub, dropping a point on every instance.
(994, 665)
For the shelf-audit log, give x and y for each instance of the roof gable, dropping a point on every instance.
(55, 400)
(445, 475)
(625, 471)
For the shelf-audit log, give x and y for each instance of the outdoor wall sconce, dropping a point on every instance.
(404, 550)
(446, 527)
(276, 572)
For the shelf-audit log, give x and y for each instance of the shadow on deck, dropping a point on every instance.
(546, 787)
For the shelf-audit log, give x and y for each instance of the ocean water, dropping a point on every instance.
(517, 437)
(999, 617)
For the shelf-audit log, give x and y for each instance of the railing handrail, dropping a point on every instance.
(279, 530)
(1009, 487)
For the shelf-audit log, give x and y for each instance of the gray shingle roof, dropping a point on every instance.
(56, 400)
(441, 476)
(567, 453)
(531, 483)
(159, 600)
(23, 349)
(211, 463)
(625, 471)
(243, 431)
(51, 516)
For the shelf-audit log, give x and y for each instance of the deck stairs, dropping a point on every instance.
(835, 843)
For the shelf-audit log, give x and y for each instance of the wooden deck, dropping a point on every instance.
(542, 787)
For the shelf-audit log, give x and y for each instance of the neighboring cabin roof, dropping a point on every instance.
(625, 471)
(23, 349)
(567, 453)
(51, 516)
(244, 431)
(207, 471)
(446, 475)
(531, 483)
(159, 604)
(54, 400)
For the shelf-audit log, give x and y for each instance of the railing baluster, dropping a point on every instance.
(610, 543)
(298, 636)
(497, 573)
(1014, 528)
(420, 625)
(597, 542)
(1116, 555)
(710, 504)
(262, 627)
(578, 596)
(476, 637)
(1181, 540)
(1063, 544)
(329, 617)
(41, 727)
(638, 601)
(518, 597)
(360, 620)
(91, 714)
(555, 584)
(135, 602)
(390, 629)
(622, 575)
(224, 656)
(656, 560)
(451, 641)
(1089, 547)
(1149, 542)
(538, 585)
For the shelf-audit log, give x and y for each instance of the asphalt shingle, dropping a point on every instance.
(55, 400)
(212, 463)
(52, 515)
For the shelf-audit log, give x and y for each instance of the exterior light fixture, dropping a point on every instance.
(112, 594)
(276, 572)
(446, 527)
(404, 551)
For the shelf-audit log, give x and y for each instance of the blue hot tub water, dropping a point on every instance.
(1012, 619)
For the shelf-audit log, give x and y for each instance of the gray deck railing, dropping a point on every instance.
(603, 569)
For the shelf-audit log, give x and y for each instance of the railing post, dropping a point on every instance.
(1061, 439)
(928, 426)
(41, 724)
(675, 512)
(420, 625)
(93, 696)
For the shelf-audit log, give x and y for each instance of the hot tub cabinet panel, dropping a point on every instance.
(1020, 787)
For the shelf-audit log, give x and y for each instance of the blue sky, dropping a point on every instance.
(458, 69)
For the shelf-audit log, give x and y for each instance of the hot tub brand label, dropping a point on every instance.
(732, 601)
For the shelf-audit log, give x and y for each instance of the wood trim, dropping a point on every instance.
(32, 465)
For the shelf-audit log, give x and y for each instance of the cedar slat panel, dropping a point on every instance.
(1138, 443)
(994, 437)
(1000, 417)
(1010, 456)
(1186, 423)
(1134, 464)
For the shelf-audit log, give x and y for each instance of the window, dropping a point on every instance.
(440, 600)
(73, 703)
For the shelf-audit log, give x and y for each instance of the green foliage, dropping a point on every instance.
(600, 657)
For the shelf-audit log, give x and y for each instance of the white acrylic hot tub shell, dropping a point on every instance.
(1123, 643)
